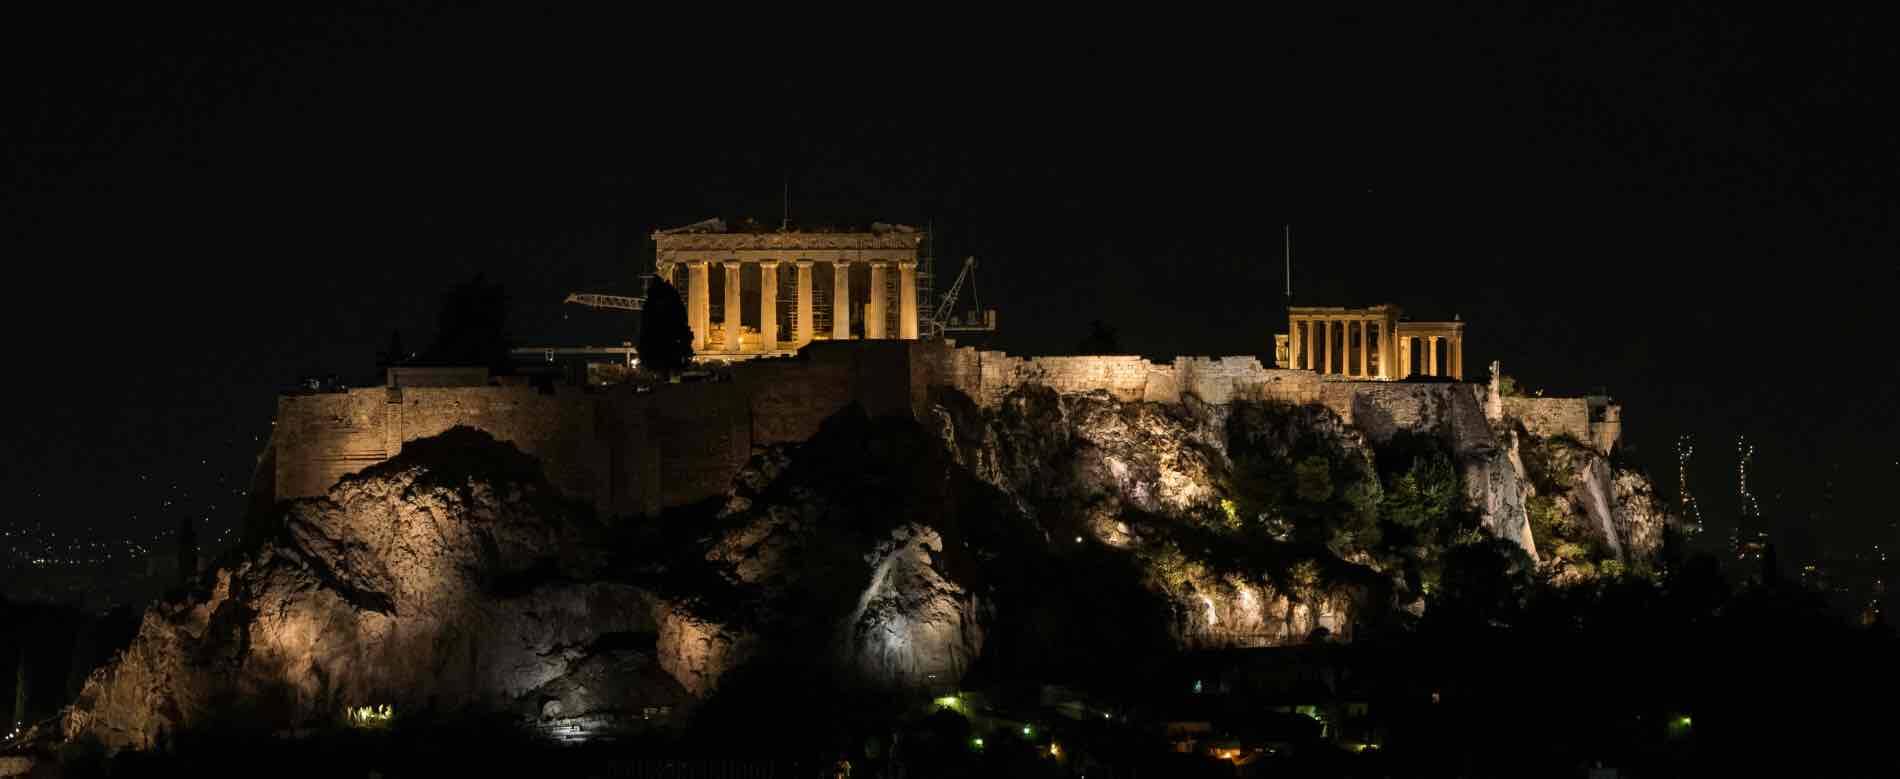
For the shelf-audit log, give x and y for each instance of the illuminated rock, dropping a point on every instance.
(913, 625)
(449, 579)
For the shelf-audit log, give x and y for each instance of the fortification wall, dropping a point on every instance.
(1382, 409)
(1546, 417)
(623, 452)
(320, 438)
(637, 453)
(988, 377)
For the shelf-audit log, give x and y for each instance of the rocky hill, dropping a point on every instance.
(1049, 536)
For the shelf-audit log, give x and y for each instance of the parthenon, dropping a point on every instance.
(885, 306)
(1372, 343)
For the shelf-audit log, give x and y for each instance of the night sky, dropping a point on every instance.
(1692, 210)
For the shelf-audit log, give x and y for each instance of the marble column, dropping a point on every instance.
(1326, 338)
(1456, 356)
(1405, 358)
(907, 301)
(841, 300)
(1365, 348)
(1347, 357)
(1431, 356)
(768, 306)
(1311, 352)
(699, 305)
(1385, 364)
(733, 328)
(1293, 344)
(801, 327)
(1397, 370)
(874, 313)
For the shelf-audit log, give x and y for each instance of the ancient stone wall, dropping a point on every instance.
(1547, 417)
(988, 377)
(636, 453)
(321, 437)
(623, 452)
(1453, 411)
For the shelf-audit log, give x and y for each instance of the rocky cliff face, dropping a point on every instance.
(1589, 510)
(448, 579)
(1051, 536)
(847, 555)
(1156, 480)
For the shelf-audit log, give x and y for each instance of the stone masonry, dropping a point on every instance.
(630, 453)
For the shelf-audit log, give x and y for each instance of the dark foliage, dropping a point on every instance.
(666, 341)
(472, 326)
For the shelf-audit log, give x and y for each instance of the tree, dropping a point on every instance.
(1313, 480)
(1425, 493)
(1487, 580)
(19, 690)
(666, 342)
(1101, 339)
(472, 327)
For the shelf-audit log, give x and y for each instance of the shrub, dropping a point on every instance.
(1313, 480)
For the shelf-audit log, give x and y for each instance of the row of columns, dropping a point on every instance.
(1454, 354)
(699, 303)
(1314, 349)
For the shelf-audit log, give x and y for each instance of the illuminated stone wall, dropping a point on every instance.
(623, 452)
(321, 437)
(988, 377)
(1548, 417)
(1453, 412)
(637, 453)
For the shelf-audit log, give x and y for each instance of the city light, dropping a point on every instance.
(1685, 500)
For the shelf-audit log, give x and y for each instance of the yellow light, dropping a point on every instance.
(1055, 750)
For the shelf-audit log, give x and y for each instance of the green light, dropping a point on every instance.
(1026, 730)
(948, 701)
(976, 742)
(1685, 721)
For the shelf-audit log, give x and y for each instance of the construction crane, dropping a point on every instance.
(597, 300)
(979, 321)
(621, 302)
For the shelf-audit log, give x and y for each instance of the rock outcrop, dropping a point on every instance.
(450, 579)
(1155, 480)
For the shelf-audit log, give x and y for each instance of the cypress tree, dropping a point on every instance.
(666, 341)
(20, 680)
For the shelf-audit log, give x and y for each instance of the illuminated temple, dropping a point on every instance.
(778, 291)
(1373, 342)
